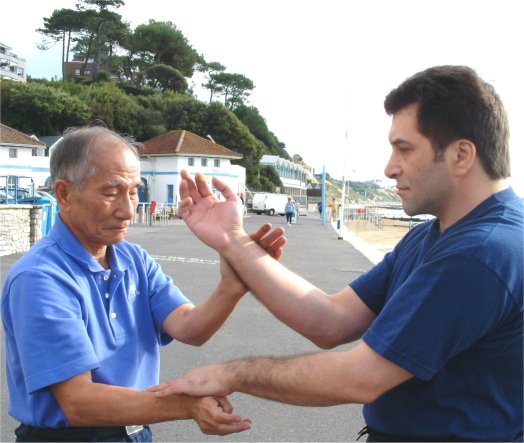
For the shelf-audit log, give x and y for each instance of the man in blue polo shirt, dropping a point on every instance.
(441, 317)
(85, 312)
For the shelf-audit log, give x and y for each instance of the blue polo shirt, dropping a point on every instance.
(64, 314)
(449, 310)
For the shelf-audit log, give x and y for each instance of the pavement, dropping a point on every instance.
(316, 252)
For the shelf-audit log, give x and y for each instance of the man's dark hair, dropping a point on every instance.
(454, 103)
(72, 158)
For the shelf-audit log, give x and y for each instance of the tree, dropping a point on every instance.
(58, 27)
(166, 77)
(162, 43)
(250, 116)
(94, 28)
(234, 87)
(99, 24)
(212, 68)
(39, 108)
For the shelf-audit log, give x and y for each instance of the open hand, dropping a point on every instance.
(214, 415)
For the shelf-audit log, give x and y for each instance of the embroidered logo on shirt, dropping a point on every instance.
(132, 293)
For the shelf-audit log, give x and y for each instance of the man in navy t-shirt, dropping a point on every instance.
(440, 317)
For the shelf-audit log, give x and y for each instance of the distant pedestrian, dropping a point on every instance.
(289, 210)
(319, 205)
(334, 209)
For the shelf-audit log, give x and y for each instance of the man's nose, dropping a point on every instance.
(392, 169)
(126, 207)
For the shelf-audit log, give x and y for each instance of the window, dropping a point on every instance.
(217, 163)
(13, 153)
(203, 162)
(191, 161)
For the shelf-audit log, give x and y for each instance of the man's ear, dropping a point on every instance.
(64, 192)
(464, 154)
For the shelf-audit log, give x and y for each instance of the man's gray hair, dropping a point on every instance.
(72, 158)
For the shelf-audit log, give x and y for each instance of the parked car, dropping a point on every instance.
(8, 196)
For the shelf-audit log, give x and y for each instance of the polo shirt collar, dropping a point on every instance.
(66, 240)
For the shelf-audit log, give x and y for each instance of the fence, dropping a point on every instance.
(150, 213)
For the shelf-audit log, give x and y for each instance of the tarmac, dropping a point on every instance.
(315, 251)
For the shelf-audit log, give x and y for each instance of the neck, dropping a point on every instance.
(467, 197)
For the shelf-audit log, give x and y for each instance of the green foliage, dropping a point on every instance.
(235, 88)
(250, 116)
(115, 108)
(166, 77)
(162, 43)
(37, 108)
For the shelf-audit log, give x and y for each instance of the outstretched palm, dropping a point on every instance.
(213, 221)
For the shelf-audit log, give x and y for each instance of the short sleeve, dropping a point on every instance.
(438, 312)
(52, 340)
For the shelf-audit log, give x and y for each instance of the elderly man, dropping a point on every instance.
(85, 312)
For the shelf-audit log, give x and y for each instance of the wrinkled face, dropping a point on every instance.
(423, 182)
(99, 215)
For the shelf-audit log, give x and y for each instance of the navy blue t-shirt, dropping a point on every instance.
(449, 310)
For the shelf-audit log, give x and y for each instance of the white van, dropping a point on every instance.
(271, 204)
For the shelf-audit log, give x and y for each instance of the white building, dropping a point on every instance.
(12, 67)
(22, 155)
(292, 175)
(163, 157)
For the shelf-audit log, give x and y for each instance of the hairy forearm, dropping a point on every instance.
(310, 380)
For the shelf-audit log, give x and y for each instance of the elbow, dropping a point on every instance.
(324, 342)
(76, 416)
(193, 340)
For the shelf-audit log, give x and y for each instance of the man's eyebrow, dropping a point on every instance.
(116, 183)
(399, 141)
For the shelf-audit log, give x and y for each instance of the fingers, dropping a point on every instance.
(225, 404)
(273, 242)
(214, 419)
(263, 230)
(165, 389)
(224, 189)
(201, 186)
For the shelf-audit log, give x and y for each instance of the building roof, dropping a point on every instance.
(182, 142)
(10, 136)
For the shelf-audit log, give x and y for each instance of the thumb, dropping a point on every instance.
(167, 388)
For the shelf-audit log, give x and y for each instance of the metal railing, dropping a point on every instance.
(150, 213)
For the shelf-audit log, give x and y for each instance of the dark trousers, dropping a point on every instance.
(289, 216)
(115, 434)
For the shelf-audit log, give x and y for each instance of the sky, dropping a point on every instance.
(322, 68)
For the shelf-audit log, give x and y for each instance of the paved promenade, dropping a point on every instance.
(315, 252)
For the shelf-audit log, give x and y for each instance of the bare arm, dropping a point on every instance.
(195, 325)
(86, 403)
(326, 320)
(358, 375)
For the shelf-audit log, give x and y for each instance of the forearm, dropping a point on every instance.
(309, 380)
(97, 404)
(358, 375)
(196, 325)
(292, 299)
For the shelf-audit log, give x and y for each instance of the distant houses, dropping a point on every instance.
(22, 155)
(162, 159)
